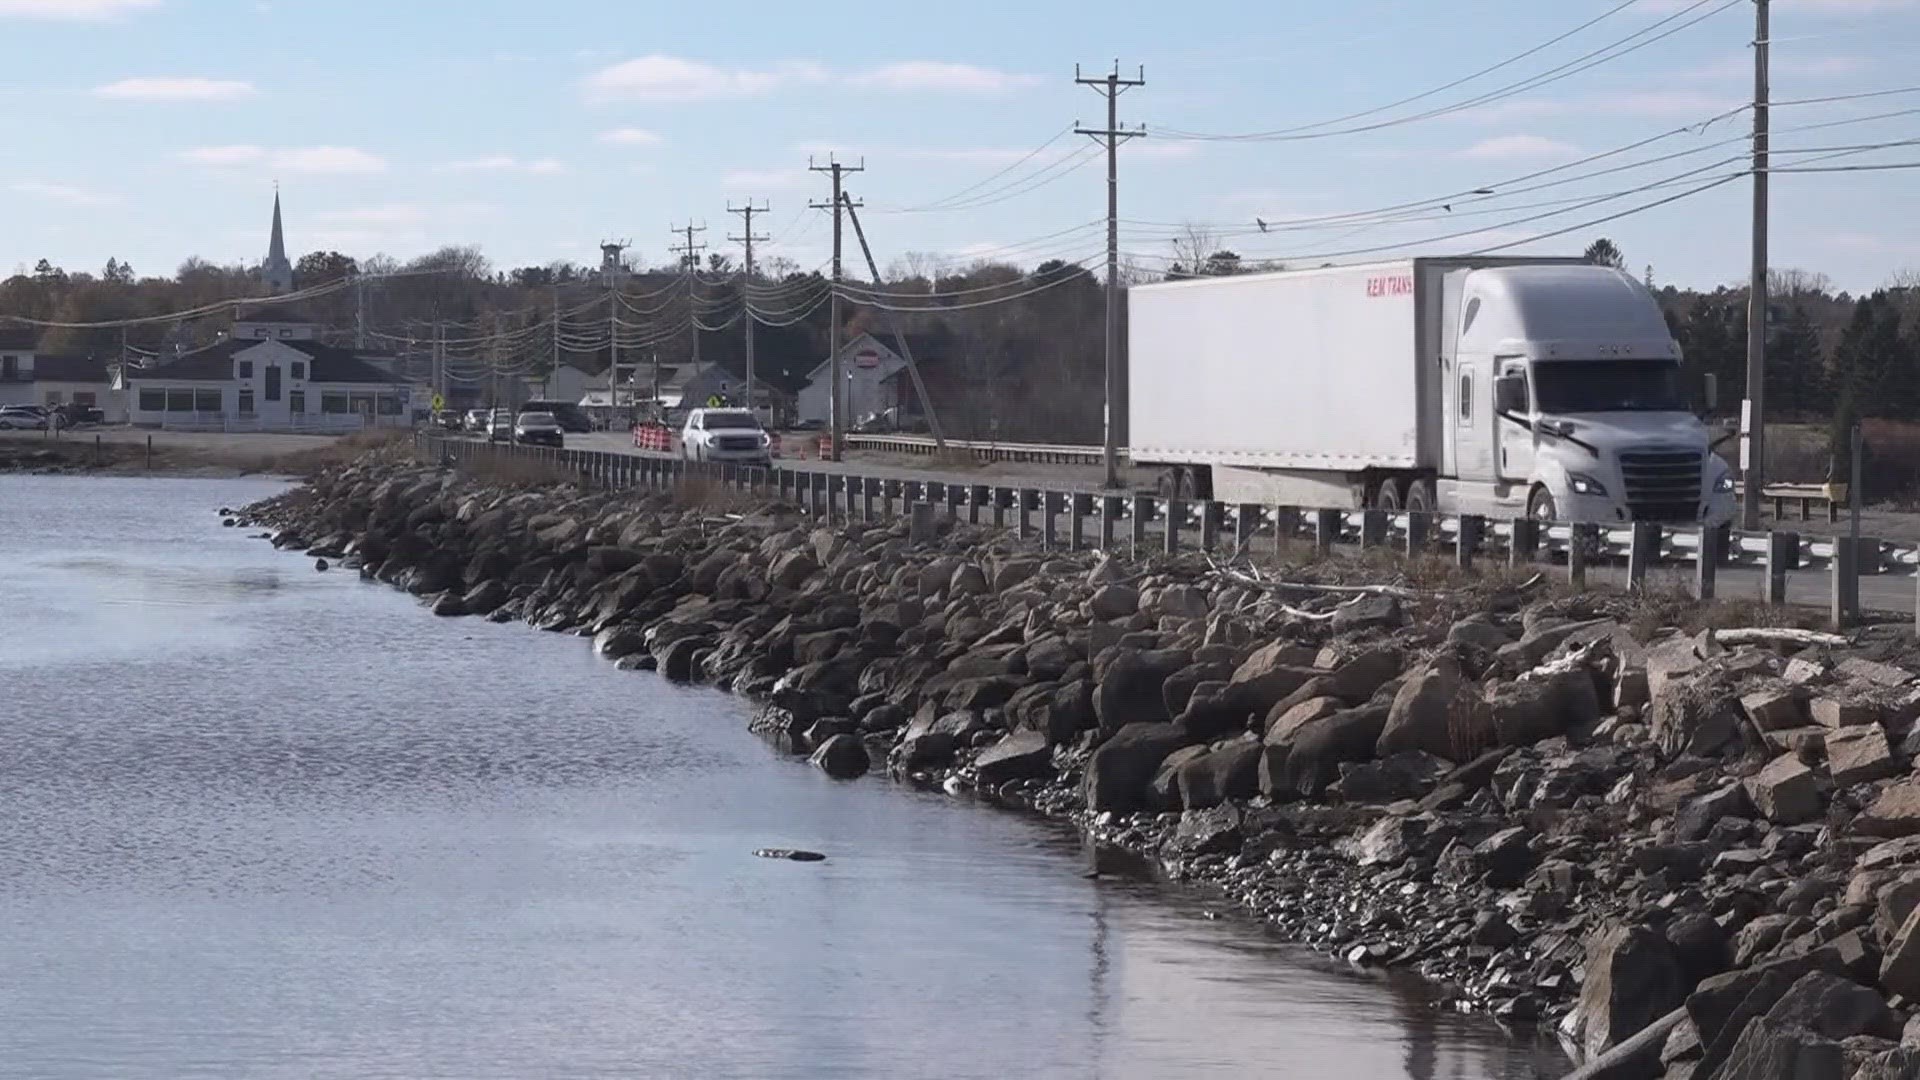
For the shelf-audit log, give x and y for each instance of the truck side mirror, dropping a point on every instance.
(1510, 394)
(1710, 391)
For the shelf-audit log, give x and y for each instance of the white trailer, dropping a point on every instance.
(1497, 386)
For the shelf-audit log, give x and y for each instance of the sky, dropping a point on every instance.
(154, 130)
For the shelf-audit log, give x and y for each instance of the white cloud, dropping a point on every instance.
(308, 159)
(73, 10)
(630, 136)
(941, 76)
(60, 193)
(1518, 148)
(509, 163)
(175, 89)
(658, 78)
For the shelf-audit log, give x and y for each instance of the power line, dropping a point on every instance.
(939, 203)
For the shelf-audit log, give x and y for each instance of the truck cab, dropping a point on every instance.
(1564, 399)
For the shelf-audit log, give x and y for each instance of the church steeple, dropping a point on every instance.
(277, 272)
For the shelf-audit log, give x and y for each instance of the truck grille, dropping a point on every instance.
(738, 442)
(1662, 485)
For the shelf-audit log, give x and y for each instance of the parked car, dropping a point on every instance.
(22, 418)
(500, 426)
(810, 425)
(728, 436)
(449, 420)
(478, 421)
(537, 429)
(569, 415)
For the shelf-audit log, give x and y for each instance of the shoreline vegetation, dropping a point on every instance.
(1613, 814)
(122, 451)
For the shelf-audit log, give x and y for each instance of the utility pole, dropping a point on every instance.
(746, 281)
(359, 312)
(689, 253)
(546, 385)
(439, 362)
(613, 274)
(1111, 86)
(836, 397)
(1753, 410)
(899, 337)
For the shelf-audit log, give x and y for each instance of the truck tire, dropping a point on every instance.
(1540, 506)
(1387, 495)
(1420, 497)
(1168, 484)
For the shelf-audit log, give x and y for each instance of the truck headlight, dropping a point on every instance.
(1724, 484)
(1582, 484)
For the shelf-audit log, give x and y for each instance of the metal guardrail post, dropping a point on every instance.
(1079, 507)
(1286, 523)
(976, 501)
(1326, 531)
(1373, 528)
(1846, 584)
(1783, 554)
(1246, 526)
(1473, 534)
(1419, 524)
(1579, 542)
(1707, 566)
(1642, 551)
(1000, 501)
(1022, 527)
(1137, 524)
(956, 494)
(1210, 513)
(869, 491)
(1176, 513)
(1049, 529)
(1111, 510)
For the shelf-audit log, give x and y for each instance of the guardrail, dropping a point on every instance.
(979, 450)
(1145, 524)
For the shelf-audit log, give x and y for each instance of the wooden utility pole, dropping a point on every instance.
(748, 238)
(899, 338)
(689, 253)
(1753, 410)
(1111, 86)
(836, 395)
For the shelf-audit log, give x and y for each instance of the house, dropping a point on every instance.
(272, 373)
(874, 374)
(31, 377)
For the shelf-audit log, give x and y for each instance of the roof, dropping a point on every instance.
(70, 369)
(271, 313)
(214, 363)
(925, 347)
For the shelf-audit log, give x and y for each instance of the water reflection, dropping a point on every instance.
(268, 822)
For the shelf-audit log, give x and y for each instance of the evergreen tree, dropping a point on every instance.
(1796, 374)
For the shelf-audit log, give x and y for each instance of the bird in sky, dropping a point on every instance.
(1261, 223)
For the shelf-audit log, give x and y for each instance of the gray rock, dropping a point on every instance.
(1215, 831)
(1695, 820)
(1316, 751)
(1858, 754)
(1766, 1052)
(1786, 791)
(1894, 813)
(1632, 980)
(1119, 773)
(843, 757)
(1533, 710)
(1418, 717)
(1022, 755)
(1225, 772)
(791, 570)
(1367, 613)
(1834, 1008)
(1113, 602)
(1694, 714)
(1774, 707)
(1900, 969)
(968, 580)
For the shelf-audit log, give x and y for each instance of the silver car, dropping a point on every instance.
(725, 436)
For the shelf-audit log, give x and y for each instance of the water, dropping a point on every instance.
(257, 821)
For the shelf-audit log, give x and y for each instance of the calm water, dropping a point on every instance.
(257, 821)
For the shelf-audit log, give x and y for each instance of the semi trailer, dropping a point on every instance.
(1549, 388)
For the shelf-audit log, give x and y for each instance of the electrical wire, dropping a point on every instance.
(940, 203)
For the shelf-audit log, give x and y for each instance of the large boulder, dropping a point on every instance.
(1120, 773)
(1022, 755)
(1227, 771)
(1418, 717)
(1531, 710)
(791, 570)
(1130, 691)
(1113, 602)
(1058, 711)
(1695, 714)
(1367, 613)
(1858, 754)
(1632, 980)
(1768, 1052)
(1834, 1007)
(843, 757)
(1314, 754)
(1894, 813)
(1695, 820)
(1786, 791)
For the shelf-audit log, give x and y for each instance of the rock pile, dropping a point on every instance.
(1526, 803)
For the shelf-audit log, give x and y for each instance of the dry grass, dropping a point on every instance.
(510, 470)
(1666, 605)
(712, 495)
(393, 443)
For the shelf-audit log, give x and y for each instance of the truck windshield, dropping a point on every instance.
(1577, 386)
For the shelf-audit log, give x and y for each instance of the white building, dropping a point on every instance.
(31, 377)
(271, 374)
(865, 366)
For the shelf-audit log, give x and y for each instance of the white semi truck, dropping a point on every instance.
(1549, 388)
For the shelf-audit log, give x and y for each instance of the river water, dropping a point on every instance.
(258, 821)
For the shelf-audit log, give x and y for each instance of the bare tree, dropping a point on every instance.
(1191, 249)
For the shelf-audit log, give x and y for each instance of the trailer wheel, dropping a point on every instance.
(1420, 497)
(1387, 496)
(1168, 484)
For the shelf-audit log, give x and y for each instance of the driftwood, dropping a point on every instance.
(1633, 1056)
(1253, 580)
(1573, 661)
(1769, 635)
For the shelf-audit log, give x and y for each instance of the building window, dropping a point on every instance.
(297, 402)
(363, 404)
(9, 367)
(260, 333)
(389, 405)
(286, 333)
(246, 403)
(334, 403)
(299, 370)
(207, 401)
(180, 400)
(153, 401)
(246, 369)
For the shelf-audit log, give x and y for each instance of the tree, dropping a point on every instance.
(1604, 252)
(1222, 263)
(1874, 361)
(46, 272)
(323, 267)
(117, 272)
(1796, 375)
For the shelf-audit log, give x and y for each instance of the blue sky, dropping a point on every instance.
(150, 130)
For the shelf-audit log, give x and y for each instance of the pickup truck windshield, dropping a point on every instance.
(1578, 386)
(727, 421)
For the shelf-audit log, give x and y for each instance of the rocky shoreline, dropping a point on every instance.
(1551, 805)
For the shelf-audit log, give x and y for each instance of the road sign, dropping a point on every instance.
(439, 403)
